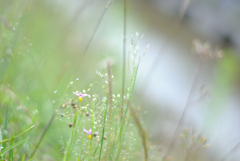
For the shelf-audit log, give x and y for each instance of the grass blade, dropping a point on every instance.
(126, 110)
(12, 150)
(72, 137)
(43, 134)
(23, 157)
(90, 148)
(4, 130)
(104, 121)
(23, 149)
(5, 140)
(12, 146)
(96, 149)
(0, 139)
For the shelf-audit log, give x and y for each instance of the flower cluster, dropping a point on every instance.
(80, 95)
(90, 133)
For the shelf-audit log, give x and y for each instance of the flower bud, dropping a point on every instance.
(75, 106)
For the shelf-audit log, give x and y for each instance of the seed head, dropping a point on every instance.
(75, 106)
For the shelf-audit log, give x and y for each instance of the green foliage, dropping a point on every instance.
(11, 147)
(38, 56)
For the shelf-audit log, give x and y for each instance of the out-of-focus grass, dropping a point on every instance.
(40, 52)
(36, 59)
(34, 62)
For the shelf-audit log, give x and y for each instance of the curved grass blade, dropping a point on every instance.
(90, 148)
(11, 151)
(23, 157)
(122, 130)
(72, 137)
(5, 140)
(104, 121)
(12, 146)
(96, 149)
(5, 125)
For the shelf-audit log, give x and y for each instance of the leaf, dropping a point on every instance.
(12, 150)
(12, 146)
(5, 124)
(5, 140)
(23, 157)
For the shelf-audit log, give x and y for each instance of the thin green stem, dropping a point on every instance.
(124, 54)
(93, 34)
(96, 149)
(90, 147)
(115, 141)
(124, 59)
(126, 111)
(103, 131)
(70, 143)
(43, 134)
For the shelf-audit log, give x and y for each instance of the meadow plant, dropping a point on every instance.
(97, 128)
(97, 120)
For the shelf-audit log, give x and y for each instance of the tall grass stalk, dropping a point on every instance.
(123, 67)
(5, 140)
(54, 113)
(93, 33)
(70, 143)
(132, 83)
(11, 152)
(3, 152)
(114, 142)
(124, 54)
(43, 134)
(110, 104)
(90, 148)
(5, 126)
(103, 131)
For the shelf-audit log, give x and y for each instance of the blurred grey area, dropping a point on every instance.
(216, 20)
(169, 84)
(168, 70)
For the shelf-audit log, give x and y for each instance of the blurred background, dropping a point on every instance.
(47, 44)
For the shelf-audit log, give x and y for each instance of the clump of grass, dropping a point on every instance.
(8, 144)
(97, 129)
